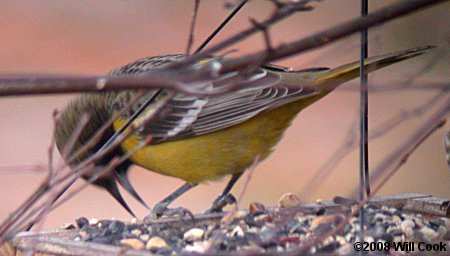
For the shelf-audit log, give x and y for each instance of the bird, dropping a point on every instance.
(200, 138)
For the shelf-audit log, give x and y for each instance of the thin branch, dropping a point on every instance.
(19, 169)
(191, 30)
(279, 15)
(265, 31)
(167, 78)
(51, 151)
(349, 143)
(405, 149)
(406, 155)
(390, 165)
(22, 217)
(332, 34)
(221, 26)
(68, 147)
(25, 218)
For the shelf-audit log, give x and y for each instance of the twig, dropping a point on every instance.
(391, 165)
(330, 35)
(221, 26)
(22, 216)
(191, 30)
(265, 30)
(79, 170)
(97, 136)
(68, 147)
(51, 150)
(25, 211)
(17, 169)
(349, 142)
(164, 78)
(407, 147)
(279, 15)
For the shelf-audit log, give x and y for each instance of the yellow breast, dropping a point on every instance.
(211, 156)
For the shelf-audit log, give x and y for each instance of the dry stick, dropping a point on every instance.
(349, 142)
(397, 157)
(398, 86)
(164, 78)
(94, 139)
(281, 13)
(85, 118)
(439, 55)
(51, 150)
(191, 31)
(22, 212)
(97, 136)
(405, 157)
(111, 166)
(80, 169)
(53, 195)
(48, 185)
(330, 35)
(10, 220)
(51, 174)
(151, 79)
(14, 169)
(39, 212)
(221, 26)
(391, 159)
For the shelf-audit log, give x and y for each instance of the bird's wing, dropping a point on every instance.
(184, 116)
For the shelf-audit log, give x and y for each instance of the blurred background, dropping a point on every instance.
(92, 37)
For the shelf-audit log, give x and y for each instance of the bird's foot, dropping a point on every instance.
(161, 210)
(220, 202)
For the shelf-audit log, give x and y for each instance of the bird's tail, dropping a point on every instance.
(332, 78)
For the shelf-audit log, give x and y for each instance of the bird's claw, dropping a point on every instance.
(161, 210)
(220, 202)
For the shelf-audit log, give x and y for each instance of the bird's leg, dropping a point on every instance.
(161, 208)
(225, 198)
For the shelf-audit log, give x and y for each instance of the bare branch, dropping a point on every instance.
(408, 146)
(221, 26)
(165, 78)
(192, 29)
(349, 143)
(402, 153)
(15, 169)
(332, 34)
(265, 31)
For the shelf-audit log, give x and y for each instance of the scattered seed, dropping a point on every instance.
(133, 243)
(289, 200)
(194, 234)
(156, 243)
